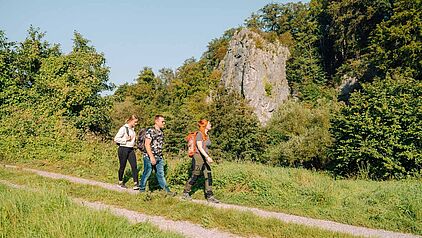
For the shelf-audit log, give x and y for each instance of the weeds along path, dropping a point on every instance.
(318, 223)
(185, 228)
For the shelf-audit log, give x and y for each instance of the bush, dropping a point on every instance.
(381, 130)
(299, 135)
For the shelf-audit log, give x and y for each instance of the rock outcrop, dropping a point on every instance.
(256, 69)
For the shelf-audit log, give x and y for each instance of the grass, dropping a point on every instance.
(390, 205)
(51, 214)
(242, 223)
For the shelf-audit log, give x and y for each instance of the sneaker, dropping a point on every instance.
(171, 194)
(212, 200)
(136, 188)
(122, 185)
(186, 196)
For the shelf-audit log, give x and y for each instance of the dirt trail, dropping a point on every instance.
(323, 224)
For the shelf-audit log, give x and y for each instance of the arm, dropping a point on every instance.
(121, 136)
(149, 151)
(201, 149)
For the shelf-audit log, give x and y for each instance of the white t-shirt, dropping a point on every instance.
(121, 136)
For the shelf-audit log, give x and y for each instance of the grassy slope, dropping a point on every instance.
(390, 205)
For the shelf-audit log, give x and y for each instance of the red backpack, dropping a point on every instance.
(191, 140)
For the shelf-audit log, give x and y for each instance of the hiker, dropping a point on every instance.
(153, 157)
(125, 138)
(200, 162)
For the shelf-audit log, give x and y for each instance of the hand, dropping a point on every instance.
(153, 161)
(209, 160)
(128, 138)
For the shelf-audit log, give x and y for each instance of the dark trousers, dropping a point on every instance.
(199, 166)
(125, 154)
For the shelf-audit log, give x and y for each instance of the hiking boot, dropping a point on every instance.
(212, 199)
(186, 196)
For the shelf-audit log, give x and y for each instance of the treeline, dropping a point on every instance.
(373, 129)
(44, 91)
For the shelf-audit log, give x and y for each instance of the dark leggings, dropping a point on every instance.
(125, 154)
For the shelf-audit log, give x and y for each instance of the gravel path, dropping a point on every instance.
(186, 228)
(323, 224)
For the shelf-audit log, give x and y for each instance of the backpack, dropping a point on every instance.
(191, 140)
(141, 139)
(127, 132)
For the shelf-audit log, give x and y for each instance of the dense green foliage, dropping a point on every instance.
(380, 132)
(42, 87)
(299, 135)
(369, 40)
(56, 96)
(396, 44)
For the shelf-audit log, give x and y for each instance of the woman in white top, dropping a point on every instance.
(125, 138)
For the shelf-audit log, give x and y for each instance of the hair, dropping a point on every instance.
(132, 117)
(202, 125)
(158, 116)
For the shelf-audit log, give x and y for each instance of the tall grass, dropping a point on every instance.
(47, 214)
(390, 205)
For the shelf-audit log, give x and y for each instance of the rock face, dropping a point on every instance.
(256, 69)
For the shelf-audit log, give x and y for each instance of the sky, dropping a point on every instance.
(131, 34)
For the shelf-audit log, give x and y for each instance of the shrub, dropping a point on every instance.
(381, 130)
(299, 135)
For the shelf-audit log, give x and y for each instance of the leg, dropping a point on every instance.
(160, 174)
(208, 180)
(146, 173)
(133, 165)
(197, 163)
(122, 153)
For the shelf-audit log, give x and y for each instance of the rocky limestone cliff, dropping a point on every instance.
(256, 69)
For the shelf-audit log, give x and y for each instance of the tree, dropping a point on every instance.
(380, 132)
(73, 83)
(396, 44)
(7, 67)
(350, 24)
(29, 56)
(236, 129)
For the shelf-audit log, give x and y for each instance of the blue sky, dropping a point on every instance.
(132, 34)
